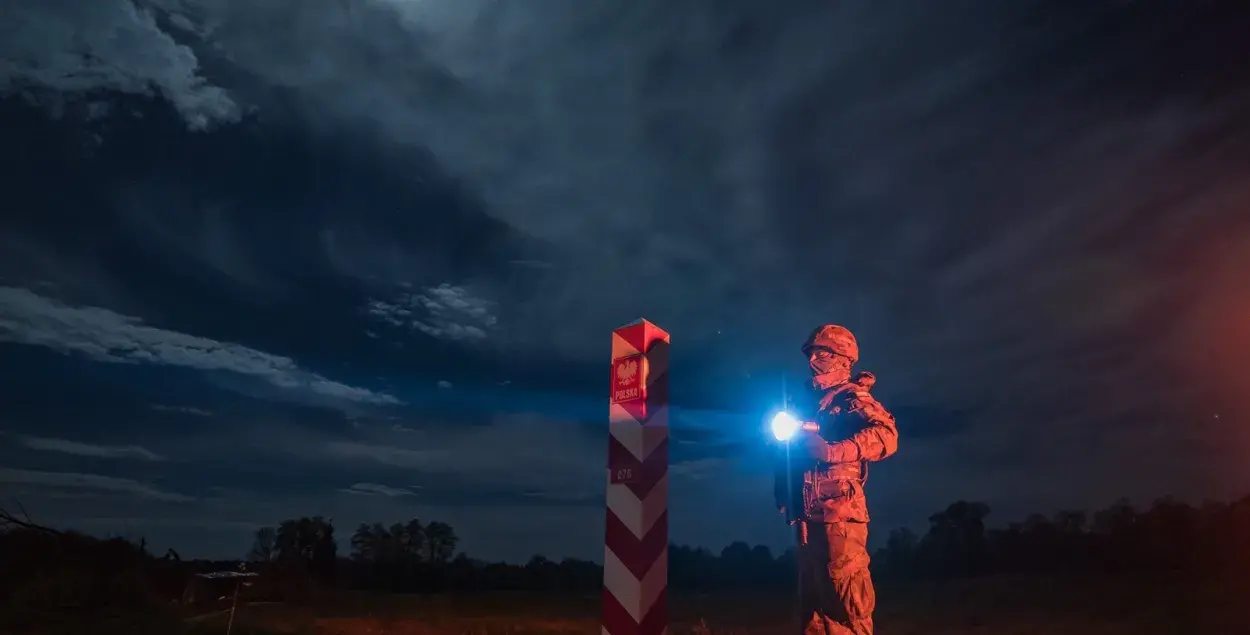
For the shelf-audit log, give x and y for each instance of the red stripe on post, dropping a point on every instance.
(618, 621)
(637, 554)
(645, 474)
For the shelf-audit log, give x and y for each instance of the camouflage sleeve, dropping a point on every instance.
(876, 440)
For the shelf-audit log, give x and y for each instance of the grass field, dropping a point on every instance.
(1002, 606)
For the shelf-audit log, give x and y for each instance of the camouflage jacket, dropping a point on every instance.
(856, 430)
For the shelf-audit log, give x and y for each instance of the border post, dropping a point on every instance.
(635, 559)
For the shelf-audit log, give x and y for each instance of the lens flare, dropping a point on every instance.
(784, 426)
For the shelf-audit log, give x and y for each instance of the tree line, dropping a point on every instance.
(55, 570)
(1167, 536)
(405, 556)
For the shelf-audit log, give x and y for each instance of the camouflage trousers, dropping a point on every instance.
(836, 595)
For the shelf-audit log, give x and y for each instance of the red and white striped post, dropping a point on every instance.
(635, 560)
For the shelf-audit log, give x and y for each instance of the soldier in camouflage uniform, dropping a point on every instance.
(820, 486)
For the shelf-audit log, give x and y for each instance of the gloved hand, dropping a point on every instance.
(814, 447)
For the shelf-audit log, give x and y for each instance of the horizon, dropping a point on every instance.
(993, 522)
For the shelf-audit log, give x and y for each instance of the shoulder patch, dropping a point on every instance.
(857, 399)
(869, 408)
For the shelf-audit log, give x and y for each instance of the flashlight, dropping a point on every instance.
(785, 425)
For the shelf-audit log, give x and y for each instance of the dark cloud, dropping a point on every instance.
(26, 481)
(1030, 213)
(116, 45)
(136, 452)
(374, 489)
(104, 336)
(187, 410)
(443, 312)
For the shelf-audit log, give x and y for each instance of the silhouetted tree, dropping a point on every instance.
(302, 545)
(415, 538)
(900, 549)
(956, 538)
(264, 546)
(440, 542)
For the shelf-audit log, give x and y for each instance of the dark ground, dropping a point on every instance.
(1142, 605)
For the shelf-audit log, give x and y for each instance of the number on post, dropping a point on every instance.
(622, 475)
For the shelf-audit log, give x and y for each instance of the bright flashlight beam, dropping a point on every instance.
(784, 426)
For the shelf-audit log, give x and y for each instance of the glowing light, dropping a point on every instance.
(785, 425)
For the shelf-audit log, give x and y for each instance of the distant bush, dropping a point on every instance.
(51, 577)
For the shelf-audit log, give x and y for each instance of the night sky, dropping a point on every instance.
(362, 258)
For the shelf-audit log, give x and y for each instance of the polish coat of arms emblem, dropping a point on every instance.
(627, 380)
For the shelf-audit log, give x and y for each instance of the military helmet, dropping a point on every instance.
(837, 339)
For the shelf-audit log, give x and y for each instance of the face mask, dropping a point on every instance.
(834, 368)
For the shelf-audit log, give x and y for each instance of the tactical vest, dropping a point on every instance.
(832, 492)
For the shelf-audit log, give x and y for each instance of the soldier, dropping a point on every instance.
(820, 487)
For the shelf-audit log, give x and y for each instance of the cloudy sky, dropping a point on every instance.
(362, 258)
